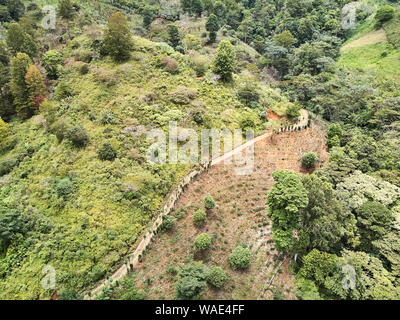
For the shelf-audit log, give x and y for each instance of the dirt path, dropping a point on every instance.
(133, 260)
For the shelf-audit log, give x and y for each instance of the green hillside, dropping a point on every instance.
(77, 192)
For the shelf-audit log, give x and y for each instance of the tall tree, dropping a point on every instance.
(19, 67)
(36, 89)
(20, 41)
(285, 201)
(225, 60)
(212, 26)
(173, 35)
(118, 38)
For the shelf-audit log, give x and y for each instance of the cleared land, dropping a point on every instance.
(369, 38)
(239, 218)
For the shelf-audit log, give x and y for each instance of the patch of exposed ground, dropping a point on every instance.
(239, 218)
(369, 38)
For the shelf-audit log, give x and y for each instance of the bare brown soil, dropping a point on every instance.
(239, 218)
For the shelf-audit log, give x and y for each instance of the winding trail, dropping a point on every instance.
(133, 260)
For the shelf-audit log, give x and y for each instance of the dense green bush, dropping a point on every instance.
(52, 61)
(309, 160)
(107, 152)
(191, 281)
(384, 13)
(169, 222)
(240, 258)
(202, 242)
(65, 188)
(78, 136)
(209, 203)
(217, 277)
(199, 218)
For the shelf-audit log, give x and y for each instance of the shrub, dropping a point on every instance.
(83, 68)
(209, 203)
(52, 61)
(84, 55)
(63, 91)
(217, 277)
(107, 152)
(309, 160)
(6, 166)
(199, 218)
(240, 258)
(199, 64)
(248, 94)
(191, 42)
(107, 117)
(384, 13)
(170, 64)
(293, 111)
(182, 95)
(78, 136)
(64, 188)
(202, 242)
(192, 281)
(67, 294)
(169, 222)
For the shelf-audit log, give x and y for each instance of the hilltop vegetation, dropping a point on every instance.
(77, 192)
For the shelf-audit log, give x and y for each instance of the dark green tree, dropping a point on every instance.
(225, 60)
(174, 37)
(118, 38)
(212, 26)
(20, 41)
(285, 201)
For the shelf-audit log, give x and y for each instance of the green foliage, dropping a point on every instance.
(107, 152)
(19, 68)
(199, 218)
(117, 38)
(225, 60)
(78, 136)
(249, 93)
(4, 132)
(10, 225)
(374, 220)
(174, 37)
(240, 258)
(285, 39)
(326, 226)
(36, 90)
(212, 26)
(65, 188)
(67, 294)
(209, 203)
(169, 222)
(217, 277)
(52, 61)
(191, 281)
(202, 242)
(20, 41)
(66, 9)
(309, 160)
(335, 132)
(384, 13)
(285, 200)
